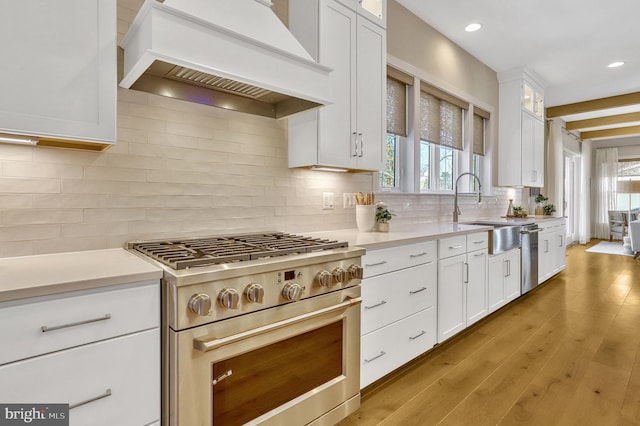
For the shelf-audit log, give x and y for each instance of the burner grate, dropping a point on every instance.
(187, 253)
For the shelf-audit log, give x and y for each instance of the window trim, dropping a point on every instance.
(409, 149)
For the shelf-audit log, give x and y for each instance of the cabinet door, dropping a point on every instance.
(371, 105)
(112, 382)
(476, 292)
(496, 271)
(545, 256)
(62, 66)
(337, 133)
(528, 98)
(451, 296)
(529, 175)
(389, 297)
(512, 276)
(538, 153)
(559, 250)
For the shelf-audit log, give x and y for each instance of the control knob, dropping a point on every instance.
(254, 293)
(229, 298)
(340, 275)
(355, 272)
(200, 304)
(324, 278)
(292, 291)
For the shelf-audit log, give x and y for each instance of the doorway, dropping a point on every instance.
(571, 195)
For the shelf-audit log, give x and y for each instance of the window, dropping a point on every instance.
(432, 137)
(479, 126)
(396, 125)
(388, 176)
(441, 135)
(628, 194)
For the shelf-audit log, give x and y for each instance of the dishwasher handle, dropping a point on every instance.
(531, 231)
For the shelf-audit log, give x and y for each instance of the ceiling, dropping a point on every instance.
(568, 43)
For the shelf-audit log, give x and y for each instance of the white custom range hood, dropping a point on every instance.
(232, 54)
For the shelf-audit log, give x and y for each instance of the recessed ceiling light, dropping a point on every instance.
(473, 27)
(616, 64)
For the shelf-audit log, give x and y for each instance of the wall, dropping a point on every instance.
(181, 169)
(451, 68)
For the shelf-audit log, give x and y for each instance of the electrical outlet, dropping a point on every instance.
(349, 200)
(327, 201)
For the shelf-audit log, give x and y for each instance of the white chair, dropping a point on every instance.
(634, 233)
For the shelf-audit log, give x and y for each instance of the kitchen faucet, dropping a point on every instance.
(456, 209)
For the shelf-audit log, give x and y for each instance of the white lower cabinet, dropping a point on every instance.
(113, 382)
(462, 283)
(552, 249)
(503, 279)
(97, 350)
(398, 307)
(387, 348)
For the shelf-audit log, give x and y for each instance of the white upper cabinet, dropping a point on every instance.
(375, 10)
(59, 71)
(521, 130)
(348, 133)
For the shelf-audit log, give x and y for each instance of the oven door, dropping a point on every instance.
(297, 363)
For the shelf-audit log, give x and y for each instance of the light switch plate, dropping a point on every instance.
(327, 201)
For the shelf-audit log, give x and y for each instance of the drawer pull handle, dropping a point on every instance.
(45, 328)
(417, 291)
(384, 302)
(87, 401)
(382, 353)
(459, 246)
(424, 253)
(478, 254)
(478, 242)
(222, 377)
(384, 262)
(418, 336)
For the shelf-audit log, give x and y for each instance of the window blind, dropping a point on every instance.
(440, 121)
(478, 134)
(397, 82)
(396, 107)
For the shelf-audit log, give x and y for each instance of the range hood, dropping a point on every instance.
(232, 54)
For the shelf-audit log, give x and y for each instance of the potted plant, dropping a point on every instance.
(541, 201)
(549, 209)
(383, 216)
(519, 211)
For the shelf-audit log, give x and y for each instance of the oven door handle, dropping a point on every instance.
(206, 345)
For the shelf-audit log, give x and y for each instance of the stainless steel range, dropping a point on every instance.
(259, 328)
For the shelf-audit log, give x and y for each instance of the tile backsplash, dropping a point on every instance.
(181, 169)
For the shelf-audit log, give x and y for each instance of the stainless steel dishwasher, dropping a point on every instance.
(529, 256)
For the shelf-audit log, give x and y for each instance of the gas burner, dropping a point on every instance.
(188, 253)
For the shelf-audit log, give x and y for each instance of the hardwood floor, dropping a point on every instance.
(566, 353)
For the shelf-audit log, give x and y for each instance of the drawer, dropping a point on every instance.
(390, 347)
(77, 318)
(452, 246)
(389, 297)
(381, 261)
(128, 366)
(477, 241)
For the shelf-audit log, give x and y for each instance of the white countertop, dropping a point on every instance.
(398, 234)
(406, 234)
(40, 275)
